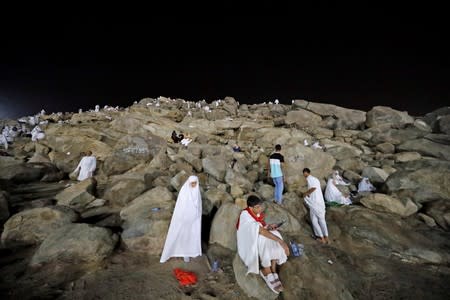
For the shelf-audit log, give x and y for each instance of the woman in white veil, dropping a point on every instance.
(332, 193)
(184, 235)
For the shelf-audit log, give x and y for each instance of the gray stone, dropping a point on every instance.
(379, 115)
(252, 284)
(75, 244)
(145, 230)
(78, 196)
(223, 227)
(385, 203)
(32, 226)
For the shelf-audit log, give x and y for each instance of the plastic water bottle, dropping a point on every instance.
(294, 248)
(301, 249)
(156, 209)
(215, 266)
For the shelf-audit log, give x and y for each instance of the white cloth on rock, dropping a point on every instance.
(333, 194)
(316, 145)
(365, 185)
(338, 179)
(186, 141)
(87, 166)
(253, 247)
(184, 235)
(37, 134)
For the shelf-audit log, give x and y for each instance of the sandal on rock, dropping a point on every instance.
(276, 282)
(274, 287)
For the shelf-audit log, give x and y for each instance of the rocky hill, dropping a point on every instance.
(100, 238)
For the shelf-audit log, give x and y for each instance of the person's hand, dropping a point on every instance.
(285, 247)
(271, 227)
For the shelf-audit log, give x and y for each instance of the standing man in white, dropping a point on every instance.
(184, 235)
(316, 204)
(87, 166)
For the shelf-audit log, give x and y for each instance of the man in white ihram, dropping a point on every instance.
(184, 235)
(316, 204)
(258, 242)
(86, 166)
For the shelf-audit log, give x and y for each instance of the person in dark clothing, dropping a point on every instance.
(175, 137)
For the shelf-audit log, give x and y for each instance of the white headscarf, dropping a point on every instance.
(365, 185)
(189, 197)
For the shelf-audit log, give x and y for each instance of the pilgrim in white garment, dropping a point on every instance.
(365, 185)
(86, 166)
(314, 200)
(186, 141)
(260, 243)
(338, 179)
(3, 141)
(184, 235)
(37, 134)
(316, 145)
(333, 194)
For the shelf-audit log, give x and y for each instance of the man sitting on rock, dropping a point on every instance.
(257, 241)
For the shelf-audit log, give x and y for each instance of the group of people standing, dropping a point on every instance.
(260, 245)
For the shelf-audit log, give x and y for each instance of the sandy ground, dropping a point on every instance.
(124, 275)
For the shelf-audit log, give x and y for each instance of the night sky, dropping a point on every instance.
(74, 62)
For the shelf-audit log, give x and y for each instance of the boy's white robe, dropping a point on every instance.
(252, 246)
(184, 235)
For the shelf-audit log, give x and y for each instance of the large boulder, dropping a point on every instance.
(302, 118)
(223, 228)
(385, 203)
(276, 213)
(215, 166)
(341, 150)
(121, 192)
(78, 196)
(32, 226)
(131, 151)
(298, 157)
(311, 277)
(27, 172)
(379, 115)
(145, 230)
(426, 147)
(375, 175)
(440, 211)
(432, 118)
(80, 244)
(421, 181)
(252, 284)
(341, 117)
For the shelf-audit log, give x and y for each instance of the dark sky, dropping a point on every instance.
(373, 58)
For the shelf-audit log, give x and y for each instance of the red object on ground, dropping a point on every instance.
(185, 277)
